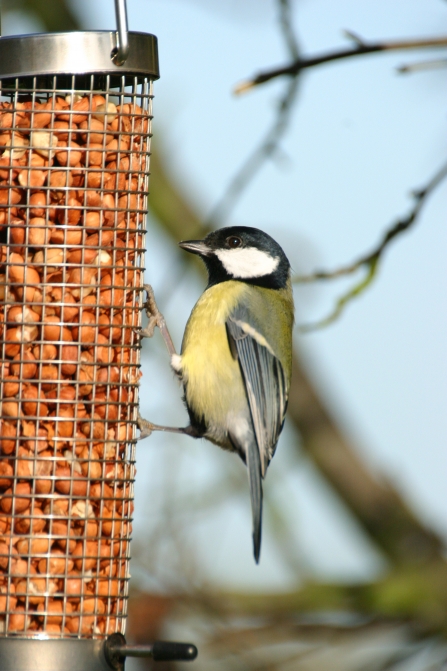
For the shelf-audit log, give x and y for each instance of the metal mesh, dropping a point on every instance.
(74, 165)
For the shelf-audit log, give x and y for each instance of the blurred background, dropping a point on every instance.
(353, 572)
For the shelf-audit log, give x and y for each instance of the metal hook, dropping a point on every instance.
(121, 51)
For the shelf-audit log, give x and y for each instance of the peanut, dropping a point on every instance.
(43, 142)
(18, 499)
(24, 367)
(35, 523)
(19, 620)
(70, 156)
(8, 437)
(10, 385)
(53, 612)
(56, 564)
(6, 474)
(36, 545)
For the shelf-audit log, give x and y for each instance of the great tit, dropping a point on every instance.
(236, 358)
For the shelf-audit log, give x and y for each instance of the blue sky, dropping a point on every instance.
(361, 138)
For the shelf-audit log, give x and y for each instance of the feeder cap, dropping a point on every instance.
(76, 53)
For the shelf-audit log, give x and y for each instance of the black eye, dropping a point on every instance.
(233, 241)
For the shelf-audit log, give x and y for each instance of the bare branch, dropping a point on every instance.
(341, 303)
(269, 144)
(285, 20)
(409, 68)
(361, 48)
(350, 35)
(371, 260)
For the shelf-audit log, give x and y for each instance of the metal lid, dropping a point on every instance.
(76, 53)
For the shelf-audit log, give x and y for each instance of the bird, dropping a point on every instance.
(235, 362)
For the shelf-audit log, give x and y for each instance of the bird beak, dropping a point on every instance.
(196, 247)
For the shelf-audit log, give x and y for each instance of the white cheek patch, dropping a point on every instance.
(247, 262)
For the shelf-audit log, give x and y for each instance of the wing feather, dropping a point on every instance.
(264, 381)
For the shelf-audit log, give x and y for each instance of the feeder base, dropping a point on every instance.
(19, 654)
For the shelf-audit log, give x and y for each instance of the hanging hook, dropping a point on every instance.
(121, 51)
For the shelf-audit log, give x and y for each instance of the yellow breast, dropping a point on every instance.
(212, 377)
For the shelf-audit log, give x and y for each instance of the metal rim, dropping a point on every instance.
(78, 52)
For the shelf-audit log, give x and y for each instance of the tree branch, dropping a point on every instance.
(285, 20)
(420, 66)
(272, 137)
(371, 260)
(415, 594)
(255, 160)
(361, 48)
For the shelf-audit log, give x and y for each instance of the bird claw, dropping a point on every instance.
(152, 311)
(144, 426)
(155, 319)
(150, 305)
(148, 330)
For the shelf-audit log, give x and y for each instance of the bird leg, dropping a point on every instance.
(155, 319)
(146, 428)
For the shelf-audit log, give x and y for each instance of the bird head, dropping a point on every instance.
(242, 253)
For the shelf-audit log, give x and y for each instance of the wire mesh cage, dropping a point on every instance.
(74, 165)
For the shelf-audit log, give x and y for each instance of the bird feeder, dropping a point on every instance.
(75, 129)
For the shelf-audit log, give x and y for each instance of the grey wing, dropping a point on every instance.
(264, 381)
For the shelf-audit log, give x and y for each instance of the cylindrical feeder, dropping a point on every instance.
(75, 128)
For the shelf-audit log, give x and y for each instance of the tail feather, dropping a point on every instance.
(255, 481)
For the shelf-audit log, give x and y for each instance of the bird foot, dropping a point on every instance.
(149, 329)
(152, 311)
(145, 427)
(155, 319)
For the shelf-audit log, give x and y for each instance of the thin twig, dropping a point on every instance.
(371, 261)
(341, 303)
(420, 66)
(255, 160)
(285, 20)
(361, 48)
(269, 143)
(350, 35)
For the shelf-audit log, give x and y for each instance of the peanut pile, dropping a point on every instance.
(73, 185)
